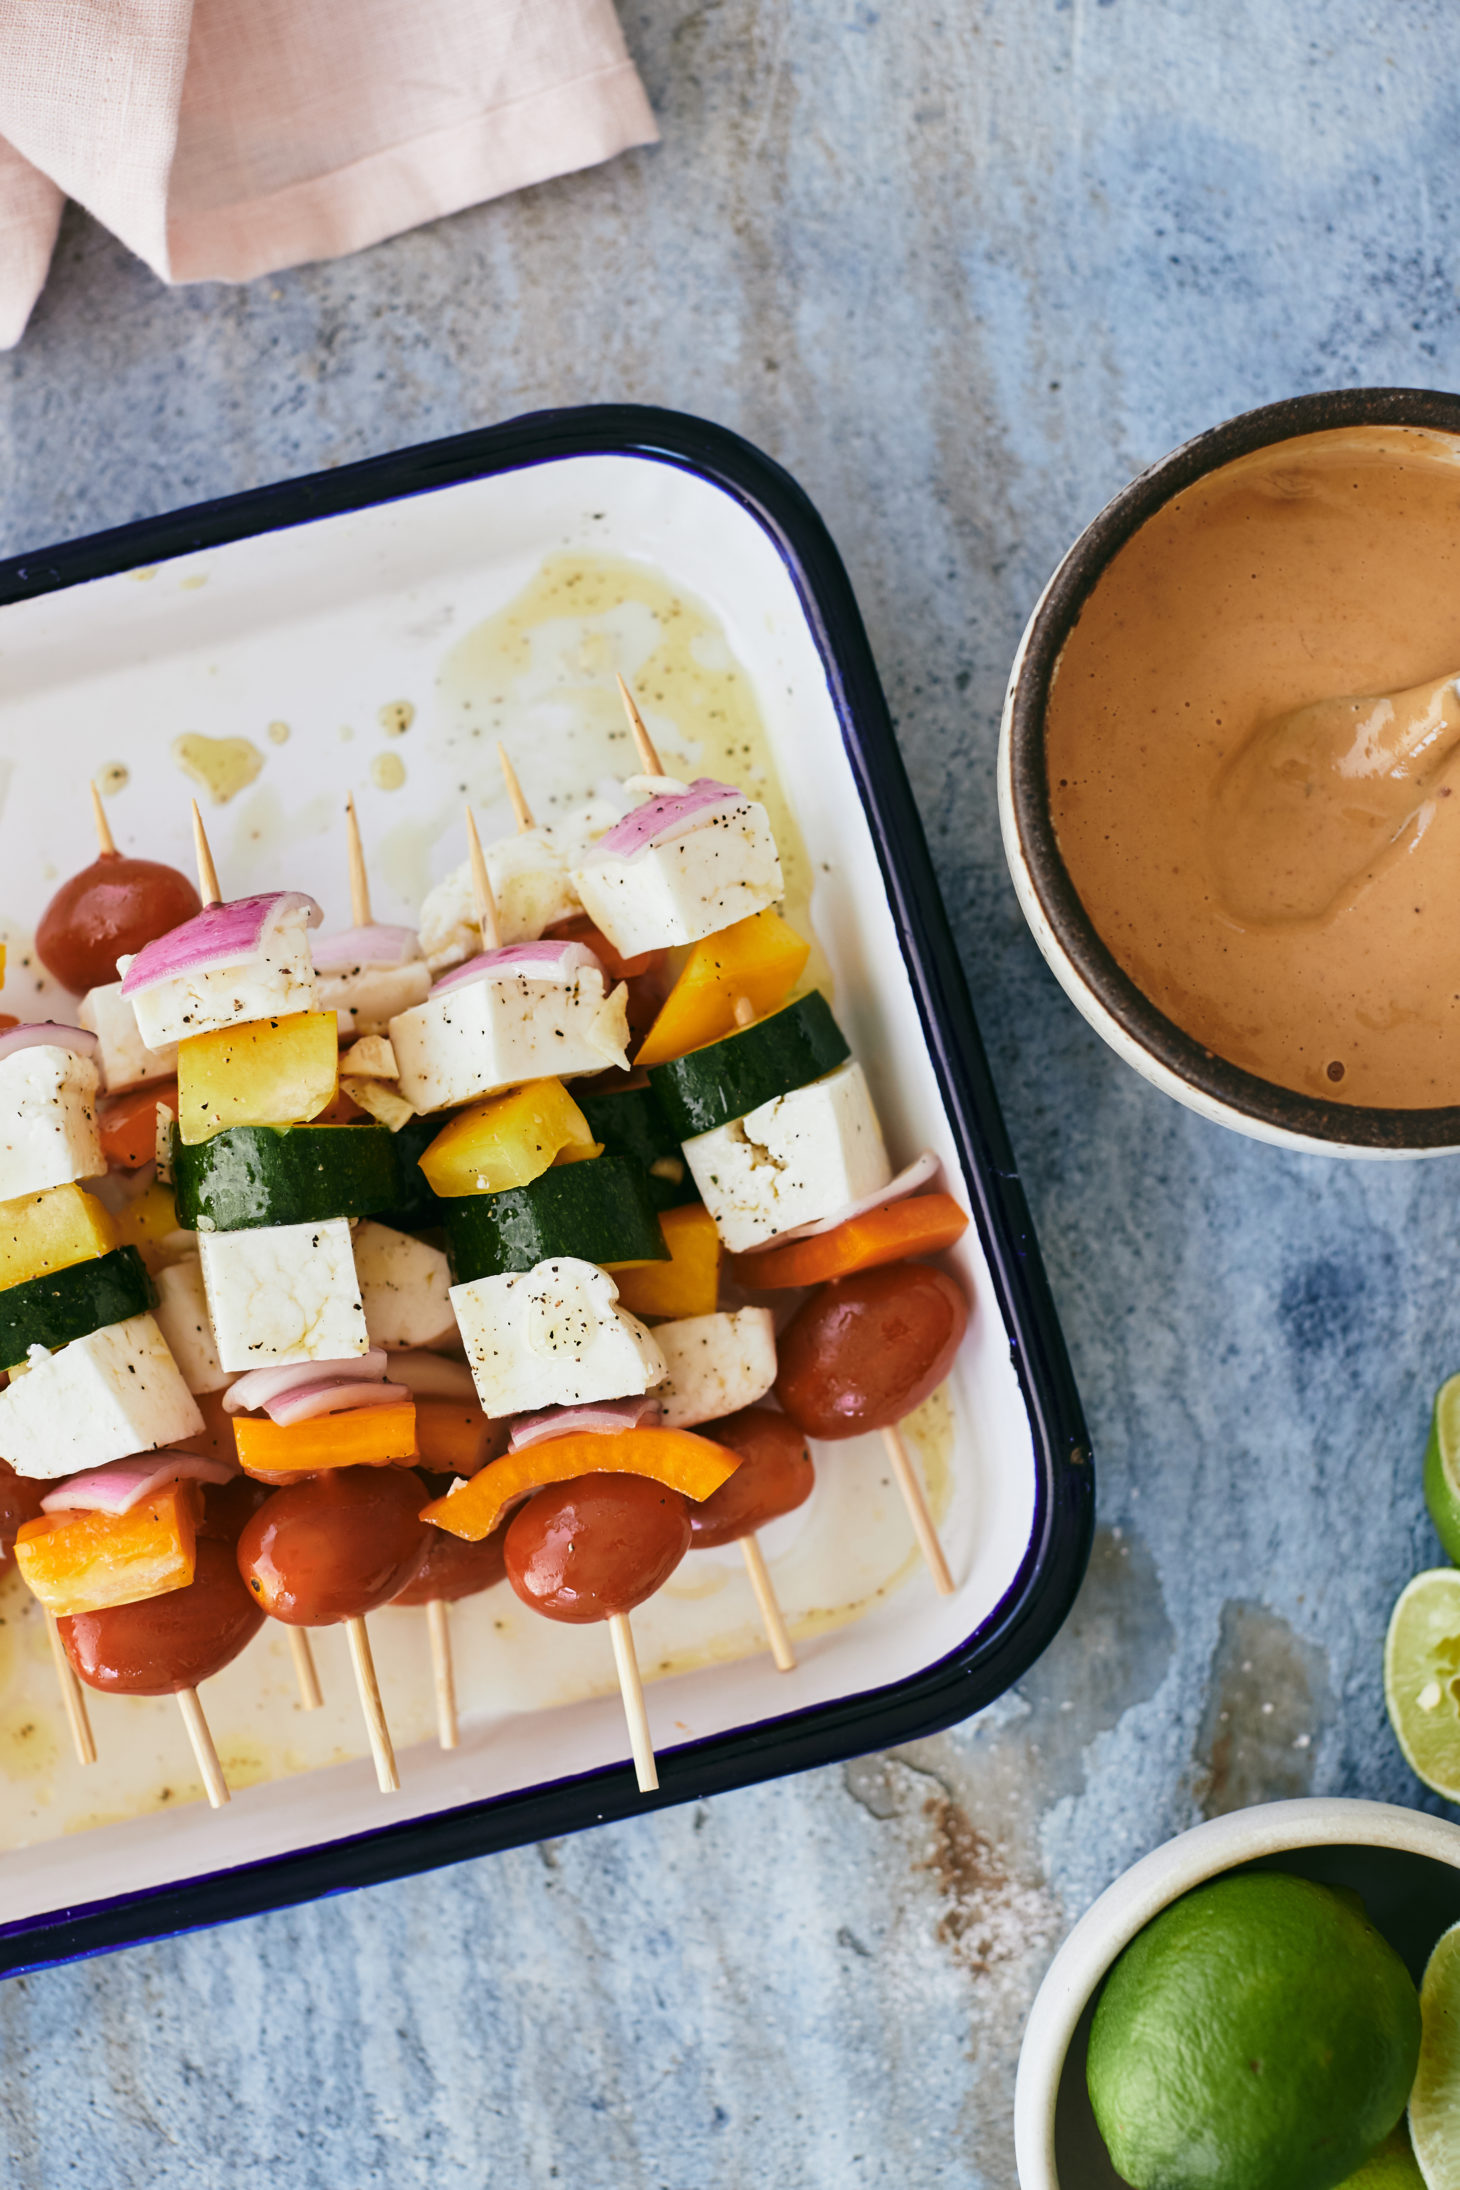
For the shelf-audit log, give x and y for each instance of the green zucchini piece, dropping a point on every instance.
(725, 1080)
(416, 1208)
(253, 1175)
(598, 1210)
(50, 1311)
(632, 1124)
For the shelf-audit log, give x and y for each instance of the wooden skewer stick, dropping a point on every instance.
(311, 1696)
(522, 812)
(442, 1673)
(106, 842)
(73, 1696)
(481, 883)
(773, 1620)
(359, 880)
(381, 1746)
(917, 1508)
(641, 1741)
(203, 1750)
(208, 888)
(648, 756)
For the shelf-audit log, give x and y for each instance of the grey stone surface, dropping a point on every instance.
(963, 267)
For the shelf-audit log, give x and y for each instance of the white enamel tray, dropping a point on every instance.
(493, 583)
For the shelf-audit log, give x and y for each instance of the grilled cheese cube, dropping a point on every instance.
(488, 1034)
(283, 1293)
(792, 1161)
(277, 979)
(126, 1061)
(715, 1364)
(183, 1319)
(405, 1285)
(47, 1120)
(686, 888)
(365, 999)
(529, 877)
(551, 1337)
(115, 1392)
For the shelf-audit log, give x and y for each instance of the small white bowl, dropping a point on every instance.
(1405, 1864)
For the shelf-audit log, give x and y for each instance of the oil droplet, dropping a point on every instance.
(396, 717)
(191, 583)
(143, 575)
(387, 771)
(279, 733)
(113, 778)
(223, 766)
(346, 733)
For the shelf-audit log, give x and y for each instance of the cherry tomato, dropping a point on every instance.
(126, 1125)
(165, 1643)
(229, 1507)
(112, 907)
(20, 1500)
(862, 1352)
(775, 1476)
(454, 1568)
(587, 1549)
(336, 1546)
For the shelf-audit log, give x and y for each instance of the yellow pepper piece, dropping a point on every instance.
(40, 1233)
(508, 1140)
(694, 1465)
(689, 1283)
(146, 1221)
(760, 958)
(266, 1072)
(82, 1562)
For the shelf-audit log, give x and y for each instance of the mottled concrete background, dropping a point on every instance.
(964, 268)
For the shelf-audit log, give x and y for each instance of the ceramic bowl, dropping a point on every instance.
(1406, 1866)
(1086, 969)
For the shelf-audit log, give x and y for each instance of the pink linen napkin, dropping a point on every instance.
(221, 139)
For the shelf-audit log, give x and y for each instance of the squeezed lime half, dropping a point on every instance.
(1434, 2103)
(1422, 1678)
(1442, 1467)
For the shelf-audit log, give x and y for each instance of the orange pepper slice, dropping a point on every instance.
(694, 1465)
(689, 1283)
(922, 1226)
(453, 1436)
(126, 1125)
(365, 1437)
(83, 1562)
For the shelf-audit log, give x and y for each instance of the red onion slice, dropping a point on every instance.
(367, 950)
(335, 1395)
(529, 961)
(431, 1376)
(46, 1035)
(123, 1484)
(220, 935)
(258, 1386)
(602, 1415)
(660, 819)
(907, 1182)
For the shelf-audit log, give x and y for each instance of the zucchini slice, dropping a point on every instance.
(599, 1210)
(725, 1080)
(50, 1311)
(253, 1175)
(633, 1124)
(415, 1208)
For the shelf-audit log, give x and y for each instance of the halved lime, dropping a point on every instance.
(1442, 1467)
(1434, 2103)
(1422, 1678)
(1392, 2167)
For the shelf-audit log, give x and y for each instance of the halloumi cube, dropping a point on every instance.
(529, 877)
(405, 1284)
(792, 1161)
(183, 1319)
(365, 999)
(552, 1336)
(47, 1120)
(126, 1061)
(282, 1293)
(715, 1364)
(486, 1035)
(686, 888)
(113, 1393)
(278, 978)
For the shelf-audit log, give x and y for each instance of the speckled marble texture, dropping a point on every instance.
(964, 268)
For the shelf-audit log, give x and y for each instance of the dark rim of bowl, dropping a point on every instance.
(1355, 1125)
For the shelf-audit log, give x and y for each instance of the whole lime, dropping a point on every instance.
(1259, 2034)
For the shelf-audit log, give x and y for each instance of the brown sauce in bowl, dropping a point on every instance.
(1325, 565)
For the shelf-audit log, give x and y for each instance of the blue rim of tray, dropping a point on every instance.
(1025, 1620)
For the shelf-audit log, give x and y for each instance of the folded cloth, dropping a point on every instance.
(221, 139)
